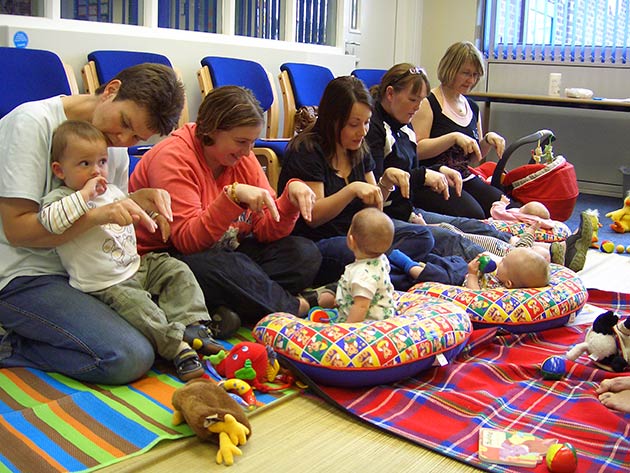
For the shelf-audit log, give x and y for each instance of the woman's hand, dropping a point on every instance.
(468, 144)
(122, 212)
(454, 179)
(154, 200)
(164, 226)
(496, 141)
(256, 199)
(302, 197)
(368, 194)
(396, 177)
(437, 182)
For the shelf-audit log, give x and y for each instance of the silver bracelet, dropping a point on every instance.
(390, 189)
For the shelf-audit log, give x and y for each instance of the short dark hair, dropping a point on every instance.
(333, 113)
(156, 89)
(69, 130)
(225, 108)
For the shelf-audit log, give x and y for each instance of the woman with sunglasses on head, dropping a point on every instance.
(392, 143)
(448, 131)
(333, 159)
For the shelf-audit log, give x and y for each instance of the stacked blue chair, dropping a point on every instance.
(32, 74)
(369, 77)
(302, 85)
(220, 71)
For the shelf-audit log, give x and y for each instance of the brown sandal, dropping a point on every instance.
(187, 364)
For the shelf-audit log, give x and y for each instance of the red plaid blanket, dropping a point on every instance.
(496, 383)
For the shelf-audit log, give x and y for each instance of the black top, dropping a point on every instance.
(312, 166)
(442, 125)
(393, 144)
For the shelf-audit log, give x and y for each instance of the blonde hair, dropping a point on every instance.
(536, 209)
(372, 231)
(455, 57)
(529, 270)
(71, 130)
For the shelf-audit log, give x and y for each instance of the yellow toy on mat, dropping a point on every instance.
(621, 217)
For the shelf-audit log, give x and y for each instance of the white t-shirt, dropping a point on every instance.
(104, 255)
(25, 173)
(367, 278)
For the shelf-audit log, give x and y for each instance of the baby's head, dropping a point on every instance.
(523, 268)
(371, 233)
(78, 153)
(535, 208)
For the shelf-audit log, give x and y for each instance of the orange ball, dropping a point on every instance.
(620, 249)
(607, 246)
(561, 458)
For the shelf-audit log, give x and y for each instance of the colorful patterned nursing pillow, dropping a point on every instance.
(371, 352)
(518, 310)
(560, 232)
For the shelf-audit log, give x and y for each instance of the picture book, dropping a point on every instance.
(508, 447)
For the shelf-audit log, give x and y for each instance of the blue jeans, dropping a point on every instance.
(257, 278)
(416, 241)
(465, 224)
(54, 327)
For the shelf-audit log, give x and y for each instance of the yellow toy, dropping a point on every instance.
(213, 415)
(621, 217)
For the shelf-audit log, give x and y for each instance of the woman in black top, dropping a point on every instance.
(331, 156)
(448, 132)
(392, 142)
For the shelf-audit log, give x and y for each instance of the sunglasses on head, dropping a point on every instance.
(411, 71)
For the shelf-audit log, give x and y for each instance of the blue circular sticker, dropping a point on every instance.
(20, 39)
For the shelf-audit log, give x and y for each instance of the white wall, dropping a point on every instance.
(73, 40)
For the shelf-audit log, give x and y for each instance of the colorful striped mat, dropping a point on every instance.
(52, 423)
(496, 383)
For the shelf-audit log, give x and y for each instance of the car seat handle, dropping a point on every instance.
(544, 136)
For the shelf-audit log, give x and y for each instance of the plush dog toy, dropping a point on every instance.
(607, 343)
(213, 415)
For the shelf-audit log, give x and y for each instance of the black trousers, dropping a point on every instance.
(257, 278)
(475, 202)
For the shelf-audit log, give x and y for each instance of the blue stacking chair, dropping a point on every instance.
(302, 85)
(369, 77)
(220, 71)
(32, 74)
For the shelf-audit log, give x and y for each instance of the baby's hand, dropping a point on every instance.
(473, 266)
(531, 229)
(505, 199)
(93, 188)
(417, 219)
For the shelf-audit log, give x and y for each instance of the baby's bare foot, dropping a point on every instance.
(619, 401)
(614, 385)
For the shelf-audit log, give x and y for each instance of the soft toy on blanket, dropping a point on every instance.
(213, 415)
(621, 217)
(607, 343)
